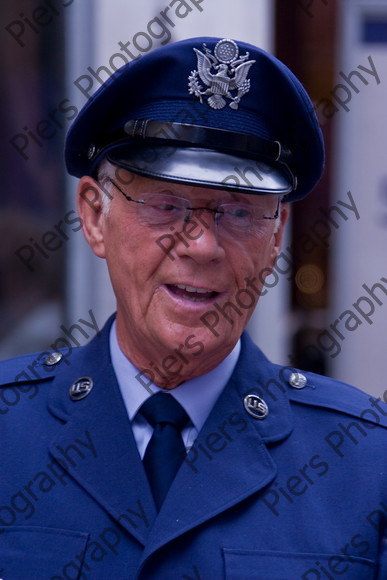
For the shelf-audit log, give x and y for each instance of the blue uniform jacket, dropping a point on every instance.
(300, 494)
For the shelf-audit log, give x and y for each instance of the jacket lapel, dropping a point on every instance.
(96, 444)
(229, 461)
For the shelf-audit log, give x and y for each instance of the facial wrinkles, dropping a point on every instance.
(224, 276)
(143, 233)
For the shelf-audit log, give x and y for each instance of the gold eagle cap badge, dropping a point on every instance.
(229, 79)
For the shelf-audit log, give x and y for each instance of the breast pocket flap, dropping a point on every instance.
(36, 553)
(257, 565)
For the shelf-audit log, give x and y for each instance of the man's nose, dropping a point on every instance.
(205, 245)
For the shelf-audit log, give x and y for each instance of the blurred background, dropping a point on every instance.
(325, 308)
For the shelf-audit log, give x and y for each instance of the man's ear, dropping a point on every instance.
(90, 209)
(278, 235)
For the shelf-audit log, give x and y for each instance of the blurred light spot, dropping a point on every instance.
(309, 279)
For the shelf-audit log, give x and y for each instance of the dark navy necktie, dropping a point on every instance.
(165, 451)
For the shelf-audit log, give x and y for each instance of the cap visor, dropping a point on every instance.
(202, 167)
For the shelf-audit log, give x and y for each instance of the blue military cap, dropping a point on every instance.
(209, 112)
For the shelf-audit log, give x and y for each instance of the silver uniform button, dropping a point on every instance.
(80, 388)
(53, 359)
(297, 380)
(256, 406)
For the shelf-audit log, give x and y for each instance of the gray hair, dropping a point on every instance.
(103, 178)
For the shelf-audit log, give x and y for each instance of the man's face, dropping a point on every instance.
(173, 282)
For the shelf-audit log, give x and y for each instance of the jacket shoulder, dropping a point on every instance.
(29, 368)
(59, 364)
(307, 388)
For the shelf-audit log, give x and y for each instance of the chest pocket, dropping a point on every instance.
(255, 565)
(41, 553)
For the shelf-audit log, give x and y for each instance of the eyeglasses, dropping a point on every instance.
(161, 210)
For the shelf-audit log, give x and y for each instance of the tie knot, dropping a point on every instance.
(163, 408)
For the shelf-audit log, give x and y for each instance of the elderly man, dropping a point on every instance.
(170, 447)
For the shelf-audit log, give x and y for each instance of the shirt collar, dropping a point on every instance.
(197, 395)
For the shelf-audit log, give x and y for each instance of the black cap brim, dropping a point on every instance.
(217, 170)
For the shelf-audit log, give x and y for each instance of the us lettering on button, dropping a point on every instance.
(80, 388)
(256, 406)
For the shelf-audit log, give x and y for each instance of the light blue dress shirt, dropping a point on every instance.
(197, 395)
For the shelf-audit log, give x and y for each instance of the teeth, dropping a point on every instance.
(192, 289)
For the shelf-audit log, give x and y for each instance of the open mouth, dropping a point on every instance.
(191, 292)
